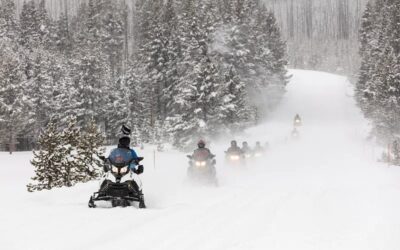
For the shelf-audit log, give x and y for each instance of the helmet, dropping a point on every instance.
(201, 144)
(124, 142)
(233, 143)
(245, 144)
(125, 130)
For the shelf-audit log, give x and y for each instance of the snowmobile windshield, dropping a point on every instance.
(120, 157)
(201, 155)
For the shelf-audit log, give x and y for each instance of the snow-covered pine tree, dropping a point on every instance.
(30, 24)
(234, 109)
(90, 148)
(72, 165)
(90, 71)
(367, 31)
(128, 107)
(197, 89)
(395, 154)
(63, 39)
(150, 63)
(9, 26)
(46, 27)
(378, 88)
(112, 31)
(41, 89)
(253, 44)
(13, 104)
(47, 161)
(172, 54)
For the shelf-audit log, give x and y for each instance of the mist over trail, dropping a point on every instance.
(322, 191)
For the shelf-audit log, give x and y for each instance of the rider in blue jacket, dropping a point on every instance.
(128, 156)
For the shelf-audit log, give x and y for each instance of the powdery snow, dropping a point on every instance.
(323, 191)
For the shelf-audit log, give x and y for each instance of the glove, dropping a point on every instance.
(106, 167)
(139, 169)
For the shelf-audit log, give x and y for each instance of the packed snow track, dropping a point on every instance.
(322, 191)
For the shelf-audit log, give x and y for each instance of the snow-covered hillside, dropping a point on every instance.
(324, 191)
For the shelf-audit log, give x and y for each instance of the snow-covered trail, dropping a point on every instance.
(323, 191)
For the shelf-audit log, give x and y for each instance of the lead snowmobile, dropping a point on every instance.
(120, 186)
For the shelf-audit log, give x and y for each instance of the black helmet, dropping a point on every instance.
(233, 143)
(124, 142)
(201, 144)
(245, 144)
(125, 130)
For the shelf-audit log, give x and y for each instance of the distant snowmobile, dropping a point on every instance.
(235, 158)
(247, 152)
(295, 134)
(297, 121)
(119, 186)
(202, 169)
(258, 151)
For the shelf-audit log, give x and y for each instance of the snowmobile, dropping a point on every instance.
(119, 186)
(202, 169)
(248, 155)
(297, 121)
(234, 158)
(258, 154)
(295, 134)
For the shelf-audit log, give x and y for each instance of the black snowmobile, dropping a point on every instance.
(202, 169)
(119, 186)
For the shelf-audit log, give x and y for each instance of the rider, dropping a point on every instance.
(258, 147)
(245, 148)
(124, 143)
(234, 149)
(202, 151)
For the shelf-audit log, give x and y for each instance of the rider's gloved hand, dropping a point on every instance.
(139, 169)
(106, 167)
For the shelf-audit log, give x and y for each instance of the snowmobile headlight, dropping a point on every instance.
(248, 155)
(297, 121)
(235, 157)
(201, 163)
(124, 170)
(114, 169)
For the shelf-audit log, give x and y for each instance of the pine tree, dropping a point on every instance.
(90, 148)
(47, 161)
(72, 165)
(63, 38)
(89, 69)
(13, 104)
(234, 109)
(46, 27)
(113, 30)
(378, 87)
(9, 27)
(41, 89)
